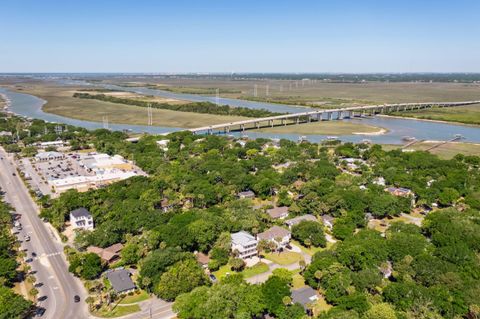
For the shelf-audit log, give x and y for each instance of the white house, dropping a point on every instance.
(280, 236)
(245, 244)
(81, 218)
(163, 145)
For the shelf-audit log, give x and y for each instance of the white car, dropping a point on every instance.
(27, 238)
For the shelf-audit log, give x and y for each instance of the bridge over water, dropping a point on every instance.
(322, 115)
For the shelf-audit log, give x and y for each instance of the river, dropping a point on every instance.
(31, 106)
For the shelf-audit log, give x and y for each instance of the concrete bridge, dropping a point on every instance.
(321, 115)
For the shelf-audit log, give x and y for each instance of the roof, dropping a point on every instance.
(273, 232)
(277, 212)
(246, 193)
(243, 238)
(202, 258)
(108, 254)
(304, 296)
(80, 212)
(120, 280)
(52, 154)
(297, 220)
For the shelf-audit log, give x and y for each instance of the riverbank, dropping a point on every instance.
(465, 115)
(326, 128)
(444, 151)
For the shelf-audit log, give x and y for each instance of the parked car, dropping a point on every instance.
(76, 298)
(27, 238)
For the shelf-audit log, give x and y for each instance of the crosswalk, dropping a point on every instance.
(43, 256)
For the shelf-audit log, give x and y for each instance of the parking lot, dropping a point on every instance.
(39, 173)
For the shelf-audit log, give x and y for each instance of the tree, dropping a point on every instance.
(237, 264)
(284, 274)
(130, 253)
(309, 231)
(380, 311)
(180, 278)
(13, 305)
(33, 293)
(87, 265)
(274, 289)
(448, 196)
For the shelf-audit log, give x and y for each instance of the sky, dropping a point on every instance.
(362, 36)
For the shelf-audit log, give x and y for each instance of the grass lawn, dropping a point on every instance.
(298, 281)
(143, 295)
(118, 311)
(284, 258)
(247, 272)
(310, 251)
(255, 270)
(320, 306)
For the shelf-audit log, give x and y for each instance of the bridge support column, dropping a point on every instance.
(329, 116)
(271, 123)
(297, 120)
(284, 122)
(340, 115)
(319, 117)
(257, 124)
(242, 127)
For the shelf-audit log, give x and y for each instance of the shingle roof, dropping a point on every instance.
(304, 296)
(120, 280)
(277, 212)
(80, 212)
(299, 219)
(273, 232)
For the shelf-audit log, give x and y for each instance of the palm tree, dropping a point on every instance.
(33, 293)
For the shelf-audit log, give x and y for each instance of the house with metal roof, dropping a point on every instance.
(297, 220)
(244, 243)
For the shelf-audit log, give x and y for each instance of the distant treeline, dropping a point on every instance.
(196, 107)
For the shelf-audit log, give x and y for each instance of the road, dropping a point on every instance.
(57, 287)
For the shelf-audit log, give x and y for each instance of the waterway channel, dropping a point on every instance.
(31, 106)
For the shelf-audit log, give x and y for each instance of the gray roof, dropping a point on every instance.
(80, 212)
(273, 232)
(246, 193)
(297, 220)
(120, 280)
(277, 212)
(242, 238)
(304, 296)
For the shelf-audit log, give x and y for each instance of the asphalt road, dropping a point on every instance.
(57, 287)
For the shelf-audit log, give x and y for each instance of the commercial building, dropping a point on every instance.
(84, 183)
(49, 156)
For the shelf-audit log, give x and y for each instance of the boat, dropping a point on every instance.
(408, 138)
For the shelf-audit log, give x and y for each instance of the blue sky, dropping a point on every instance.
(240, 36)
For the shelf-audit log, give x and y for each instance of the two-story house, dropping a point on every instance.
(81, 218)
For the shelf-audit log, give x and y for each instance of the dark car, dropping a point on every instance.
(39, 311)
(76, 298)
(13, 174)
(212, 278)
